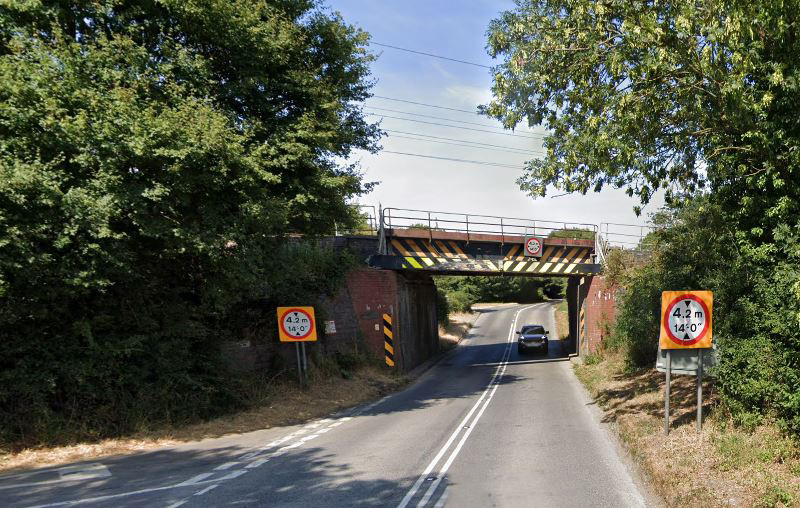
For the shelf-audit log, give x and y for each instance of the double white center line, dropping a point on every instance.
(464, 429)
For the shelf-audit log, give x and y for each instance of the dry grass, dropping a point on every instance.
(458, 327)
(562, 320)
(285, 404)
(720, 467)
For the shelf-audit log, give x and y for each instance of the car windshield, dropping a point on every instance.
(529, 330)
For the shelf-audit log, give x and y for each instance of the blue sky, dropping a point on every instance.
(456, 30)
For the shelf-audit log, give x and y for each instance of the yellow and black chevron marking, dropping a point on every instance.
(555, 259)
(450, 255)
(388, 340)
(582, 330)
(422, 254)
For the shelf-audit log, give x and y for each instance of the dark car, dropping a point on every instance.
(532, 337)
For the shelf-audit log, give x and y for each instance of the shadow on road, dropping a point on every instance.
(301, 474)
(312, 477)
(305, 475)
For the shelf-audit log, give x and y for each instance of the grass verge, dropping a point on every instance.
(273, 403)
(721, 467)
(457, 328)
(562, 320)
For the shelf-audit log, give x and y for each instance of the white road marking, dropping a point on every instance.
(227, 465)
(458, 447)
(65, 474)
(490, 389)
(210, 487)
(233, 474)
(201, 479)
(442, 500)
(195, 479)
(106, 498)
(257, 463)
(84, 472)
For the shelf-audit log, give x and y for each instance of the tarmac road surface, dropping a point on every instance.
(483, 427)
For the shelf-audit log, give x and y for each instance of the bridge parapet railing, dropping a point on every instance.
(368, 222)
(628, 237)
(404, 218)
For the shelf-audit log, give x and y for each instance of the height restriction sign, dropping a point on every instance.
(533, 246)
(296, 324)
(686, 319)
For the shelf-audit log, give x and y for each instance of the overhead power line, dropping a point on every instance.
(429, 54)
(430, 106)
(454, 126)
(425, 104)
(462, 141)
(437, 118)
(464, 145)
(482, 163)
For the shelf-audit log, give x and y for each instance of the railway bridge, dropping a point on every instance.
(404, 248)
(461, 244)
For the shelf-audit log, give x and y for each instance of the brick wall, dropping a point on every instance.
(356, 315)
(372, 292)
(601, 307)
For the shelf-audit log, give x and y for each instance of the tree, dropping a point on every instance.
(700, 99)
(152, 155)
(674, 95)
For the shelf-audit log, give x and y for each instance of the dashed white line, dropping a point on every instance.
(231, 475)
(257, 463)
(210, 487)
(227, 465)
(195, 479)
(327, 425)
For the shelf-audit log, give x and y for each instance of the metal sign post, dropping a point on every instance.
(666, 393)
(299, 363)
(685, 324)
(305, 362)
(298, 325)
(699, 390)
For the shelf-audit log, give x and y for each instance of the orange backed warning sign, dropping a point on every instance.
(686, 319)
(296, 324)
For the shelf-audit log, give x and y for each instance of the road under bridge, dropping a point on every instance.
(405, 248)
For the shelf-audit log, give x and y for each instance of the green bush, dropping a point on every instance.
(460, 301)
(636, 329)
(756, 308)
(503, 288)
(147, 183)
(442, 307)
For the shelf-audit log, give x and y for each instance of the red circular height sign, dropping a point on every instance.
(686, 319)
(533, 246)
(296, 323)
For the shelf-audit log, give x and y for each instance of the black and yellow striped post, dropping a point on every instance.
(388, 340)
(582, 329)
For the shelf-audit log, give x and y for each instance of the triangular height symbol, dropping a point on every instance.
(687, 302)
(686, 336)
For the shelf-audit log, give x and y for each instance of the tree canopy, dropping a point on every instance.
(152, 155)
(649, 95)
(701, 99)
